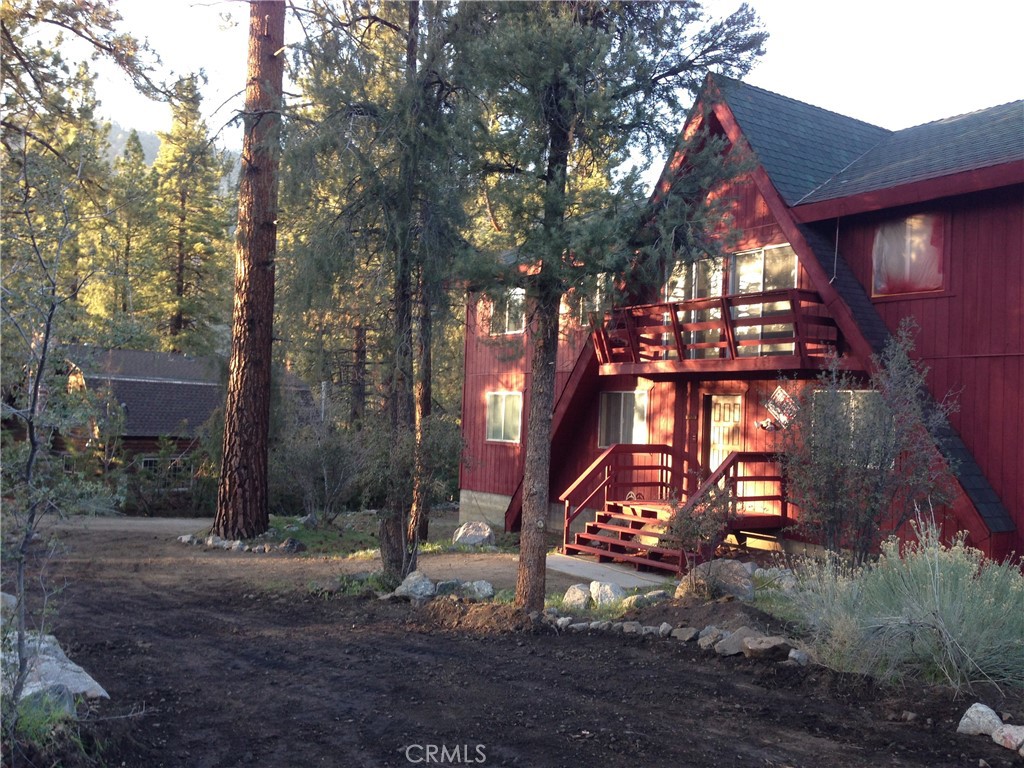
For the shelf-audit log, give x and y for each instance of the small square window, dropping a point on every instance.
(907, 256)
(508, 312)
(504, 416)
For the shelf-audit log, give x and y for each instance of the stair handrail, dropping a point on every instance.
(728, 470)
(601, 472)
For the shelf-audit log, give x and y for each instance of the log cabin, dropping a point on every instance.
(845, 228)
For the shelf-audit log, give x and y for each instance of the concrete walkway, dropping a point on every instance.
(625, 576)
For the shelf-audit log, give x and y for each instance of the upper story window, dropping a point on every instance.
(504, 416)
(508, 312)
(907, 256)
(594, 297)
(623, 418)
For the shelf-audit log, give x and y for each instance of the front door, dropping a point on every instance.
(723, 428)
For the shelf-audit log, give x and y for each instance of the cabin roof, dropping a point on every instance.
(812, 155)
(799, 145)
(163, 393)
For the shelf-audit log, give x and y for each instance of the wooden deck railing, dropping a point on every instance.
(652, 472)
(789, 322)
(753, 486)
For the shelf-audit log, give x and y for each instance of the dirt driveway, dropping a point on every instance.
(217, 659)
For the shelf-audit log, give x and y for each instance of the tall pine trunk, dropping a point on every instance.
(532, 573)
(242, 509)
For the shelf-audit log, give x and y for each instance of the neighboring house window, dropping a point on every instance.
(622, 418)
(68, 463)
(150, 463)
(593, 298)
(907, 256)
(504, 416)
(508, 312)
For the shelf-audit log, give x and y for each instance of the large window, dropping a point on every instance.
(508, 312)
(504, 416)
(907, 256)
(623, 418)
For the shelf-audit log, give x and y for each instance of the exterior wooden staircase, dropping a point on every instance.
(634, 491)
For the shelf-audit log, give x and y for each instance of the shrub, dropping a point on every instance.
(925, 611)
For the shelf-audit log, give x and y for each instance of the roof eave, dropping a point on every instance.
(965, 182)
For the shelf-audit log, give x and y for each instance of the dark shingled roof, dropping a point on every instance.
(963, 143)
(800, 146)
(163, 394)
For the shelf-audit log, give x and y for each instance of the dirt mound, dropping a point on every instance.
(452, 613)
(724, 613)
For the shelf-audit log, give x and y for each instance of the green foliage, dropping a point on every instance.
(924, 611)
(857, 459)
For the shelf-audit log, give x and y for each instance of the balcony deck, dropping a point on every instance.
(780, 330)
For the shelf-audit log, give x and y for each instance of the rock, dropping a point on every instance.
(605, 593)
(563, 622)
(799, 657)
(656, 596)
(577, 598)
(632, 628)
(665, 629)
(214, 541)
(309, 521)
(709, 636)
(979, 719)
(474, 534)
(616, 627)
(291, 545)
(188, 538)
(49, 666)
(716, 577)
(772, 648)
(685, 634)
(601, 626)
(649, 631)
(416, 586)
(776, 578)
(732, 645)
(238, 546)
(450, 587)
(579, 626)
(477, 590)
(634, 601)
(1009, 736)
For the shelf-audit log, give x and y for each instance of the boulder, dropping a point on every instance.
(633, 601)
(773, 648)
(665, 629)
(606, 593)
(979, 719)
(416, 587)
(709, 637)
(656, 596)
(717, 577)
(1009, 736)
(798, 657)
(563, 622)
(291, 545)
(477, 590)
(732, 644)
(450, 587)
(577, 598)
(49, 666)
(685, 634)
(52, 699)
(474, 534)
(632, 628)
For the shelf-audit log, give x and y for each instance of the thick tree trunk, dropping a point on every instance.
(242, 510)
(531, 577)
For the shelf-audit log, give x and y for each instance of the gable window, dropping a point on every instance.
(508, 312)
(907, 256)
(504, 416)
(622, 418)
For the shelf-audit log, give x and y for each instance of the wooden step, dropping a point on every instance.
(624, 529)
(604, 556)
(627, 544)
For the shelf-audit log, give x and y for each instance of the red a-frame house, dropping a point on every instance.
(845, 229)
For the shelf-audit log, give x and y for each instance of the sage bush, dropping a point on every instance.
(924, 610)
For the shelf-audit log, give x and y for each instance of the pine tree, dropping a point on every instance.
(242, 507)
(568, 90)
(191, 235)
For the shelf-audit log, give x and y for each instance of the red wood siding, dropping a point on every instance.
(972, 333)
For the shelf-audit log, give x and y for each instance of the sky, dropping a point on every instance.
(893, 63)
